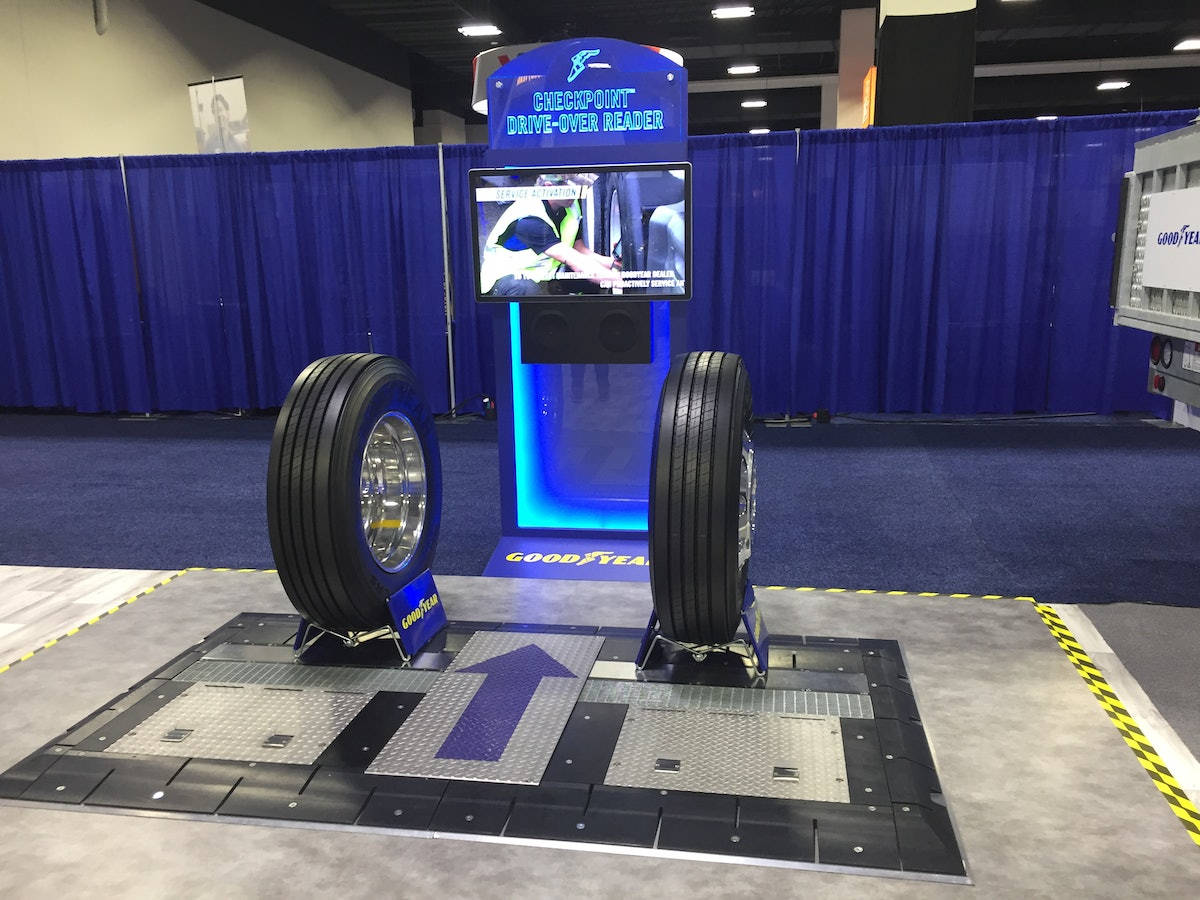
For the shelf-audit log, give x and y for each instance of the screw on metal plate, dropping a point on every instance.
(175, 735)
(735, 838)
(278, 741)
(889, 756)
(292, 805)
(397, 812)
(580, 826)
(785, 773)
(670, 76)
(666, 765)
(858, 849)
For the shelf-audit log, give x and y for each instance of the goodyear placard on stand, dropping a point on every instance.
(418, 612)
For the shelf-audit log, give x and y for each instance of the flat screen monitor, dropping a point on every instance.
(585, 233)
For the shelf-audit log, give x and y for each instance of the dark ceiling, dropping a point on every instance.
(416, 43)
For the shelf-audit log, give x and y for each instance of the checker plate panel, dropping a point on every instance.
(412, 751)
(234, 721)
(732, 753)
(663, 695)
(330, 678)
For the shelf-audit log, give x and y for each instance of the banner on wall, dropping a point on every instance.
(219, 115)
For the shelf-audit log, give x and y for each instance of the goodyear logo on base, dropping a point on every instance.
(570, 558)
(592, 557)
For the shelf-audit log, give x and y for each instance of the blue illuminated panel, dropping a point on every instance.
(582, 436)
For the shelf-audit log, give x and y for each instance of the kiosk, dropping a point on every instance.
(580, 364)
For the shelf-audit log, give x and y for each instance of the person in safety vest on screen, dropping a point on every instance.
(536, 242)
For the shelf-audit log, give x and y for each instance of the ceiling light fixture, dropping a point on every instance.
(753, 104)
(760, 130)
(1046, 118)
(1112, 85)
(732, 12)
(748, 69)
(1189, 44)
(479, 31)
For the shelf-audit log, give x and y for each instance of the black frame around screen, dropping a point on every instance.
(476, 181)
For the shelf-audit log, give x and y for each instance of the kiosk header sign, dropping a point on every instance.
(595, 92)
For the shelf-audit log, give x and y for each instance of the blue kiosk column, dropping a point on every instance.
(575, 437)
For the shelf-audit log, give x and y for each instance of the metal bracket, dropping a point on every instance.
(351, 639)
(417, 614)
(753, 647)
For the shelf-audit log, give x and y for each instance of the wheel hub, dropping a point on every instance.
(747, 505)
(392, 491)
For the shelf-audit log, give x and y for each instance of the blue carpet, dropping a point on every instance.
(1068, 513)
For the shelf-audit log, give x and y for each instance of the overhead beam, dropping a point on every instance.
(774, 83)
(319, 28)
(1004, 70)
(339, 37)
(1066, 66)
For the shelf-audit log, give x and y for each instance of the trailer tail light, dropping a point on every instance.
(1155, 349)
(1160, 382)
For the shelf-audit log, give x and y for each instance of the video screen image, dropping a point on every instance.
(554, 233)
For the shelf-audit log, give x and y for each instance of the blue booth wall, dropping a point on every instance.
(952, 269)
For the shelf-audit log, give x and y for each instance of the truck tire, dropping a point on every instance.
(701, 516)
(354, 489)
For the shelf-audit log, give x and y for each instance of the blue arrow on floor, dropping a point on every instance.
(487, 724)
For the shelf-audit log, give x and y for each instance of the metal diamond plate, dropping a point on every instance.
(751, 754)
(238, 721)
(657, 695)
(540, 713)
(334, 678)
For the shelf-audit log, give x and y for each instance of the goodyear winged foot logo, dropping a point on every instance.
(592, 557)
(579, 63)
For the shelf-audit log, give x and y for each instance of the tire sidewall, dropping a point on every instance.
(390, 388)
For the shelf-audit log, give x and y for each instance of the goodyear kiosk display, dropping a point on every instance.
(582, 239)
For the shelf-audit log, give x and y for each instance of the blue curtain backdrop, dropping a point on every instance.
(253, 265)
(953, 269)
(70, 332)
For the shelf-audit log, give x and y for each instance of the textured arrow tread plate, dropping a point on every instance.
(413, 750)
(749, 754)
(246, 722)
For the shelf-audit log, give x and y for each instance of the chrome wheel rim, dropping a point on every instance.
(747, 505)
(392, 491)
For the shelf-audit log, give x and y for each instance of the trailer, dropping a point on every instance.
(1156, 266)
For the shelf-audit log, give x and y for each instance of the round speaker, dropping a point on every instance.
(618, 332)
(550, 330)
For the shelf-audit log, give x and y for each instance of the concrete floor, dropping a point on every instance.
(1046, 796)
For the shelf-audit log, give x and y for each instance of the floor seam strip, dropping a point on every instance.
(92, 621)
